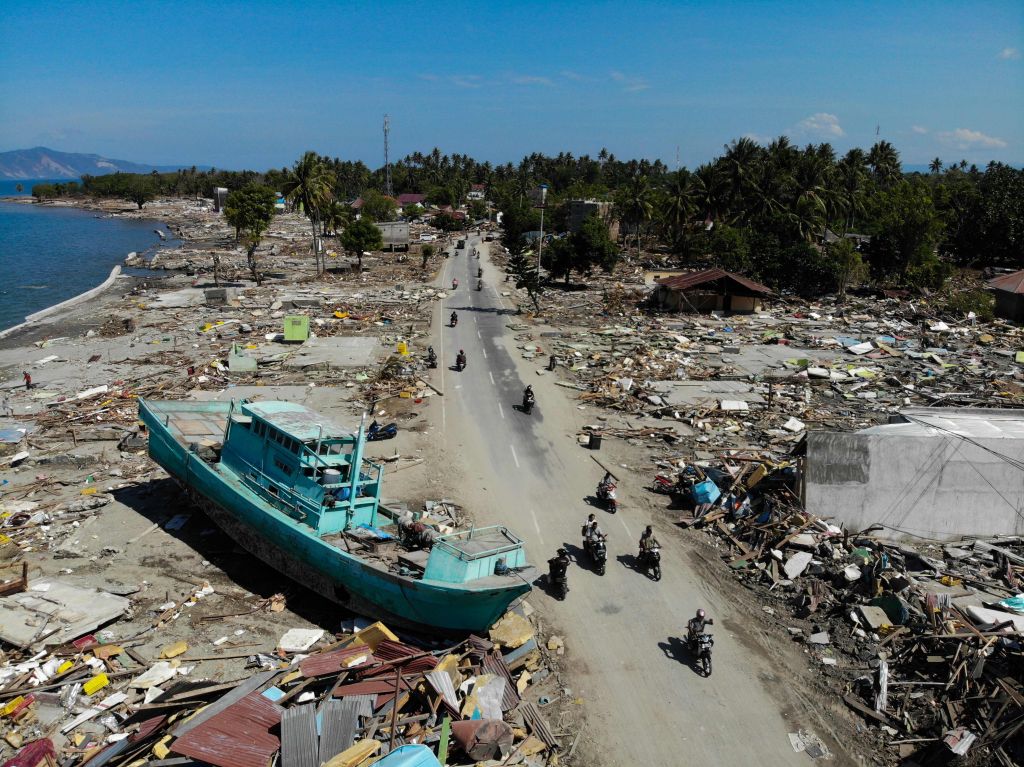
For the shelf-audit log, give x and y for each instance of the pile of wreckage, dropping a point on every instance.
(925, 642)
(347, 700)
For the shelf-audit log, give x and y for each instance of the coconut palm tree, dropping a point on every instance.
(885, 163)
(678, 206)
(740, 161)
(935, 166)
(310, 184)
(635, 204)
(709, 189)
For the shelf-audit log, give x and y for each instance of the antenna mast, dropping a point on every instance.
(388, 190)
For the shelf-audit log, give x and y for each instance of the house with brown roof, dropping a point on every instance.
(710, 290)
(1009, 292)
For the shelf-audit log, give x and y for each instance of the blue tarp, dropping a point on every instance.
(412, 755)
(706, 492)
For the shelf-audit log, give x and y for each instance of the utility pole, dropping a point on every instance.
(540, 243)
(388, 189)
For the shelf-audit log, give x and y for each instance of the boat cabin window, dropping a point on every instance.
(260, 428)
(283, 466)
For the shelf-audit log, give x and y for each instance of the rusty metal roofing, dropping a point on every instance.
(538, 726)
(239, 736)
(336, 661)
(493, 665)
(378, 686)
(695, 279)
(1011, 283)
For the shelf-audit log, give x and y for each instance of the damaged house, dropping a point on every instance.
(710, 290)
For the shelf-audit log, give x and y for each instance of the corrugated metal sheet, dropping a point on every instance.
(388, 649)
(299, 746)
(228, 699)
(1012, 283)
(538, 726)
(692, 280)
(369, 687)
(510, 698)
(239, 736)
(443, 686)
(148, 727)
(335, 661)
(339, 723)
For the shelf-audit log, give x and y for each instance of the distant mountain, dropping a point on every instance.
(40, 162)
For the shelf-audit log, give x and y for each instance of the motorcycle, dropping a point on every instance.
(528, 403)
(431, 360)
(598, 551)
(453, 320)
(376, 432)
(606, 495)
(460, 362)
(700, 649)
(479, 284)
(650, 561)
(480, 272)
(557, 575)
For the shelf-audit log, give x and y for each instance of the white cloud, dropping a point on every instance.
(964, 138)
(920, 129)
(1009, 54)
(821, 124)
(532, 80)
(466, 81)
(629, 84)
(568, 74)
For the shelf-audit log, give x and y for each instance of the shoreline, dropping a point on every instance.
(89, 204)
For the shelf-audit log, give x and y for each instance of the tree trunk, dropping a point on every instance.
(251, 257)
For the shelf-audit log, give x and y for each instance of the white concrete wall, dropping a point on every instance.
(932, 486)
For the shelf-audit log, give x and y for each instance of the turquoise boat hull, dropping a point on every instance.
(293, 549)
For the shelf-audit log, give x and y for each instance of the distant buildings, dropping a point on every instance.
(477, 192)
(580, 209)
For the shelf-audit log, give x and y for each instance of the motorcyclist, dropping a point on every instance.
(696, 625)
(431, 357)
(528, 396)
(455, 284)
(648, 542)
(453, 320)
(558, 566)
(591, 531)
(460, 359)
(479, 284)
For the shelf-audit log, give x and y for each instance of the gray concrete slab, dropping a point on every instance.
(335, 352)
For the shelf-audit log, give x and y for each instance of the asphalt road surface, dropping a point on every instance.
(643, 702)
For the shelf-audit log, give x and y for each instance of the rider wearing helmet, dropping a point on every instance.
(696, 625)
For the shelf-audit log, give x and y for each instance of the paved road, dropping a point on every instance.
(643, 702)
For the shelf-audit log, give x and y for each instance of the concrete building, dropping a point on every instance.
(1009, 292)
(939, 473)
(580, 209)
(710, 290)
(395, 234)
(477, 192)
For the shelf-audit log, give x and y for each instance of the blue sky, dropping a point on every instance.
(254, 84)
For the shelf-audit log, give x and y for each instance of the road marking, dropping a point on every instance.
(514, 457)
(624, 527)
(479, 336)
(484, 351)
(502, 411)
(492, 378)
(536, 525)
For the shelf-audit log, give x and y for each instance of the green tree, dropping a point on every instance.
(524, 269)
(935, 166)
(250, 211)
(362, 235)
(477, 210)
(906, 230)
(589, 247)
(848, 265)
(337, 215)
(635, 204)
(378, 207)
(140, 190)
(309, 185)
(427, 252)
(446, 222)
(885, 164)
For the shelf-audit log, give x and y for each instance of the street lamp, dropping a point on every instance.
(540, 245)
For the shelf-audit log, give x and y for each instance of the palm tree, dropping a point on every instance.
(885, 163)
(709, 191)
(635, 203)
(740, 159)
(935, 166)
(679, 205)
(336, 216)
(310, 184)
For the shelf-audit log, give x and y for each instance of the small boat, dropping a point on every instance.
(296, 491)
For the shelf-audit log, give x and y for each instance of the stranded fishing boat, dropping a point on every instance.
(295, 490)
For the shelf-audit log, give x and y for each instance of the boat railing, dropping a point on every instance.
(446, 543)
(295, 502)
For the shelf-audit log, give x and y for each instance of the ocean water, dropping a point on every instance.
(48, 255)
